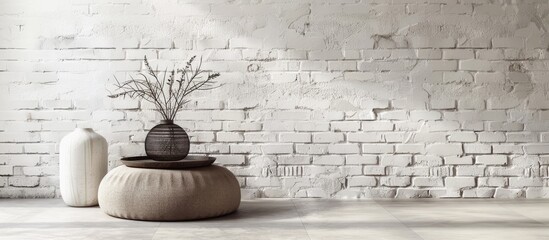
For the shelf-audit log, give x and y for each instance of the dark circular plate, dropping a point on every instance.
(188, 162)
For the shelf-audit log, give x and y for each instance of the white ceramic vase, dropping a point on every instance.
(82, 165)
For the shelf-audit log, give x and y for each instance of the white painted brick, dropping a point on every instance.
(427, 182)
(470, 170)
(454, 160)
(445, 149)
(328, 137)
(360, 159)
(459, 182)
(244, 148)
(229, 137)
(475, 65)
(479, 193)
(23, 181)
(491, 159)
(344, 148)
(377, 126)
(492, 182)
(490, 137)
(394, 115)
(508, 193)
(394, 181)
(506, 172)
(443, 104)
(537, 148)
(458, 54)
(228, 115)
(277, 148)
(311, 148)
(365, 137)
(419, 115)
(377, 148)
(6, 170)
(462, 137)
(230, 159)
(410, 148)
(428, 160)
(209, 126)
(328, 160)
(295, 159)
(396, 160)
(522, 137)
(477, 148)
(442, 126)
(362, 181)
(295, 137)
(260, 137)
(345, 126)
(411, 193)
(374, 170)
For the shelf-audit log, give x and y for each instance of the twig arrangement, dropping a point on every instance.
(168, 94)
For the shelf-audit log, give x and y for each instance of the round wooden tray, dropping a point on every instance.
(188, 162)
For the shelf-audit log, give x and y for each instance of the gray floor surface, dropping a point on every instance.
(292, 219)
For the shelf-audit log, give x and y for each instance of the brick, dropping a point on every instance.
(508, 193)
(345, 126)
(364, 137)
(394, 181)
(377, 148)
(459, 182)
(462, 137)
(259, 137)
(344, 149)
(454, 160)
(475, 65)
(360, 159)
(394, 115)
(377, 126)
(427, 182)
(295, 137)
(477, 148)
(23, 181)
(328, 137)
(329, 160)
(470, 170)
(6, 170)
(396, 160)
(491, 159)
(362, 181)
(293, 159)
(491, 137)
(277, 148)
(492, 182)
(445, 149)
(374, 170)
(229, 137)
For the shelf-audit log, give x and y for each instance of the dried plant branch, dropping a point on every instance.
(166, 97)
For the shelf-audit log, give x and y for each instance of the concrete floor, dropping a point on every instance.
(291, 219)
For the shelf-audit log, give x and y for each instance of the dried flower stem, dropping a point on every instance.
(167, 98)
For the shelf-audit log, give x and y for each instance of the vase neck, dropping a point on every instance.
(84, 129)
(166, 122)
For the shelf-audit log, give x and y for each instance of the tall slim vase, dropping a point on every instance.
(82, 163)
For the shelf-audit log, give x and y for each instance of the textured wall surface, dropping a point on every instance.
(323, 98)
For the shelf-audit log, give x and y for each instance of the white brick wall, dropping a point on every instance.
(389, 99)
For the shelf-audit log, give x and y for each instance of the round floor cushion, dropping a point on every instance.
(169, 195)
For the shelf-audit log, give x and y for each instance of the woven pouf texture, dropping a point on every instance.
(169, 195)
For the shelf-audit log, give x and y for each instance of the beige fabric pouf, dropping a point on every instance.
(169, 195)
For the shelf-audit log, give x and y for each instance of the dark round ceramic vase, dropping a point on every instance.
(167, 142)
